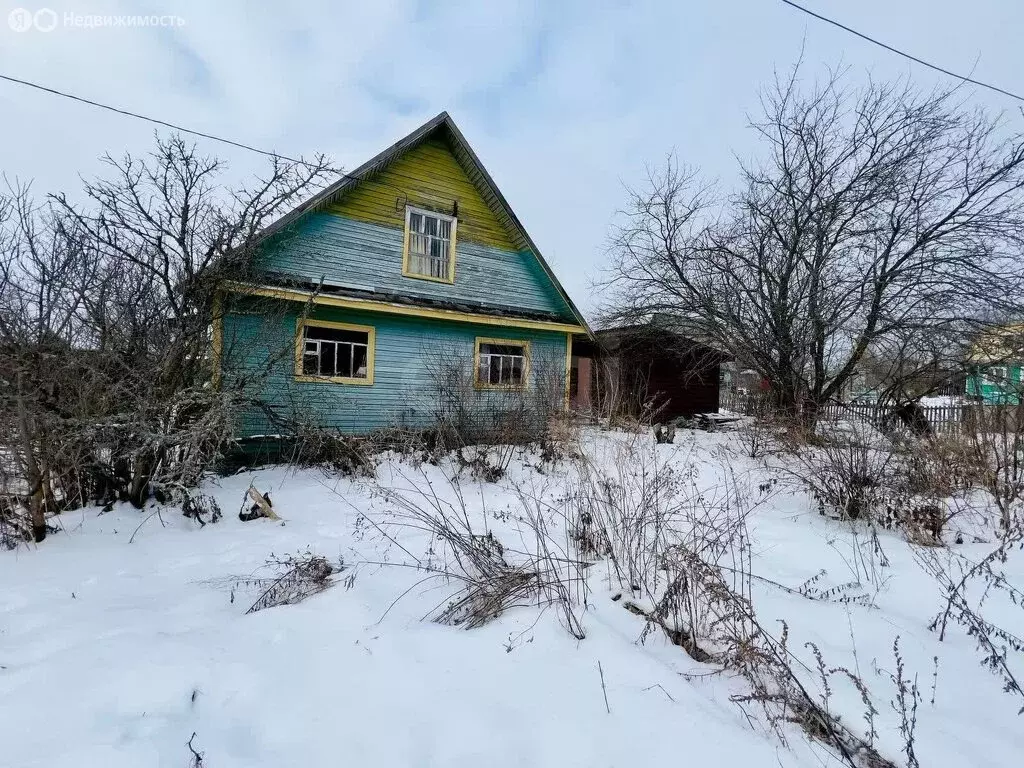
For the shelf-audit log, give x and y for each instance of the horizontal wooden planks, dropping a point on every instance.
(366, 256)
(258, 350)
(428, 176)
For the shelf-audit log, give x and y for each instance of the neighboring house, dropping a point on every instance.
(654, 367)
(915, 376)
(995, 365)
(996, 383)
(370, 294)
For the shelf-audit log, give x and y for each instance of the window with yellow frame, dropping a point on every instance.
(429, 249)
(501, 363)
(341, 353)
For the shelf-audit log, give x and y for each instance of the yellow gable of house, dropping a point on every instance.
(998, 344)
(427, 176)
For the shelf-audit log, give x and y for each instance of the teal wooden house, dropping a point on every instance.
(366, 297)
(999, 383)
(995, 373)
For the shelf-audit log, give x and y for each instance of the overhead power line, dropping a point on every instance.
(183, 129)
(154, 120)
(904, 54)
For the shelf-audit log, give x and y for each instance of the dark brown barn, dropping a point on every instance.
(646, 370)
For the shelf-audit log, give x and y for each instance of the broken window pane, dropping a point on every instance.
(335, 352)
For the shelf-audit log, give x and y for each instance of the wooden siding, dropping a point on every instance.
(366, 256)
(651, 367)
(428, 176)
(402, 392)
(684, 385)
(1004, 388)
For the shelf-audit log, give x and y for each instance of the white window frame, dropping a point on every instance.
(303, 346)
(996, 375)
(408, 256)
(479, 356)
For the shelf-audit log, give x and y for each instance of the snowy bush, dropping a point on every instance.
(492, 575)
(994, 440)
(287, 579)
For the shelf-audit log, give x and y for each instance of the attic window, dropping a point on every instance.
(429, 245)
(502, 363)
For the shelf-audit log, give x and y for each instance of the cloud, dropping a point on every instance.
(563, 101)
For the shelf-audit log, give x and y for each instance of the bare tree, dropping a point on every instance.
(167, 231)
(45, 272)
(106, 310)
(874, 216)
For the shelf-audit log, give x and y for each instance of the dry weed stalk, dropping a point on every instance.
(493, 577)
(967, 586)
(292, 579)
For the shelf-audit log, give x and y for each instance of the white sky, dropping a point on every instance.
(564, 101)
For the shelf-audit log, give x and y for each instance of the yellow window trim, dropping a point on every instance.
(371, 350)
(288, 294)
(501, 387)
(406, 272)
(217, 339)
(568, 370)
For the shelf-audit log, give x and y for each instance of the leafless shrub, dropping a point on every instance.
(684, 553)
(967, 587)
(942, 466)
(757, 438)
(486, 463)
(108, 305)
(201, 508)
(609, 396)
(491, 575)
(858, 476)
(623, 396)
(766, 432)
(621, 506)
(487, 427)
(667, 538)
(15, 526)
(851, 475)
(467, 413)
(290, 579)
(560, 441)
(328, 448)
(994, 439)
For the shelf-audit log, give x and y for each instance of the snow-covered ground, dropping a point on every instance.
(114, 652)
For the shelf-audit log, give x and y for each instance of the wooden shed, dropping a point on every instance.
(646, 368)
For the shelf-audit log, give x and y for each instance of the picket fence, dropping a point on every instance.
(943, 418)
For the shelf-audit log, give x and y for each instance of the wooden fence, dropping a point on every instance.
(942, 418)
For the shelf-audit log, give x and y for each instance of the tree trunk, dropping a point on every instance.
(31, 469)
(138, 491)
(809, 414)
(784, 400)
